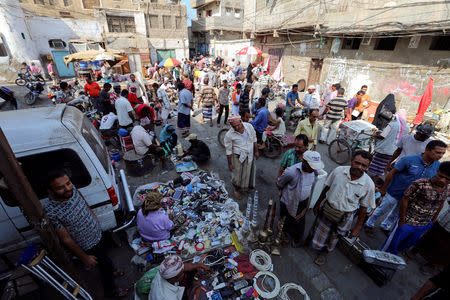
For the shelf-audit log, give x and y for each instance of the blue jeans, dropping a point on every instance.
(388, 205)
(404, 237)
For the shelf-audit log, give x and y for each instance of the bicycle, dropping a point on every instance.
(273, 145)
(342, 148)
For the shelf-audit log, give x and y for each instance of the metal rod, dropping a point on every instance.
(125, 225)
(128, 199)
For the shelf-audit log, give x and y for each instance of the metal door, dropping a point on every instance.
(63, 70)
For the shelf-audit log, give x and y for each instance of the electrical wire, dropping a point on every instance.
(260, 260)
(263, 292)
(292, 286)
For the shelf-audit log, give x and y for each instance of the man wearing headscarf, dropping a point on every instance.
(385, 110)
(241, 148)
(172, 278)
(152, 223)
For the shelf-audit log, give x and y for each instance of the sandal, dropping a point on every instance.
(320, 259)
(118, 273)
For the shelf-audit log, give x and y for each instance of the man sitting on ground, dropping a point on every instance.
(145, 143)
(152, 223)
(198, 150)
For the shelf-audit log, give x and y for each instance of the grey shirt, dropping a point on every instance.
(411, 146)
(74, 215)
(184, 97)
(296, 187)
(387, 145)
(224, 95)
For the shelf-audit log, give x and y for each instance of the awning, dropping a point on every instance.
(89, 55)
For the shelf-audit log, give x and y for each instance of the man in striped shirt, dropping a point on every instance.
(335, 111)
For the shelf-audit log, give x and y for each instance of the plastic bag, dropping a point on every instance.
(144, 284)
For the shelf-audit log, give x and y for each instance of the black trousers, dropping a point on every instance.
(227, 111)
(105, 266)
(200, 158)
(294, 228)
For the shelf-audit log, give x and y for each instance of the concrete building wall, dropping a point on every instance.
(405, 72)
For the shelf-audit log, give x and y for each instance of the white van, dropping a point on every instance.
(59, 137)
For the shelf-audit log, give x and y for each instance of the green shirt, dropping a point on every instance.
(290, 158)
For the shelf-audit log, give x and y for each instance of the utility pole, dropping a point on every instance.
(21, 190)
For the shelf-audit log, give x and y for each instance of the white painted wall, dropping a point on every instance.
(43, 29)
(139, 20)
(228, 50)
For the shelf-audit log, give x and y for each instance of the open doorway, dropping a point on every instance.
(314, 71)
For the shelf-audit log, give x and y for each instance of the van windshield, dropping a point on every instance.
(95, 141)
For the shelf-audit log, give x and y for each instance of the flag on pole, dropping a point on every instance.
(424, 102)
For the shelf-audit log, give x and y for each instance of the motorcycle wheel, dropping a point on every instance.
(40, 79)
(273, 148)
(221, 136)
(20, 81)
(30, 98)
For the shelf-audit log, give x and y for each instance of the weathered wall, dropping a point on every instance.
(20, 48)
(404, 71)
(42, 29)
(228, 49)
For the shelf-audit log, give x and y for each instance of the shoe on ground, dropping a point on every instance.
(369, 231)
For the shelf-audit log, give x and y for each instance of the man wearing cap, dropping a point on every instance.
(241, 150)
(296, 184)
(411, 144)
(140, 89)
(311, 99)
(198, 150)
(172, 274)
(406, 171)
(347, 189)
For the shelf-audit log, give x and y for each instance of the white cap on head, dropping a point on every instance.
(313, 159)
(311, 87)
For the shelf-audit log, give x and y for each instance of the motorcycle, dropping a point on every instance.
(36, 89)
(24, 78)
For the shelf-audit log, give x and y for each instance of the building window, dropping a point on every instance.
(351, 44)
(228, 11)
(209, 13)
(154, 1)
(121, 24)
(154, 21)
(89, 4)
(52, 2)
(41, 2)
(237, 13)
(440, 43)
(386, 44)
(166, 22)
(177, 22)
(57, 44)
(67, 2)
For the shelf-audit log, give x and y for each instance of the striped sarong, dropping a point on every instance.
(326, 233)
(207, 112)
(379, 163)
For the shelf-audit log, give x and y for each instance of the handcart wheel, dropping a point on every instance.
(340, 151)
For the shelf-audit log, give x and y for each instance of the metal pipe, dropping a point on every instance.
(128, 199)
(125, 225)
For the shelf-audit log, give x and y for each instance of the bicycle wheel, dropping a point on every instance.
(221, 136)
(30, 98)
(340, 151)
(273, 148)
(20, 81)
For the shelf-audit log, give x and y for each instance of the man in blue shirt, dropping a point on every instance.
(406, 171)
(184, 109)
(260, 121)
(291, 98)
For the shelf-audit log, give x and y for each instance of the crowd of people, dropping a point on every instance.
(402, 178)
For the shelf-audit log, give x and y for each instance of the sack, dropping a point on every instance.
(331, 213)
(355, 113)
(144, 284)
